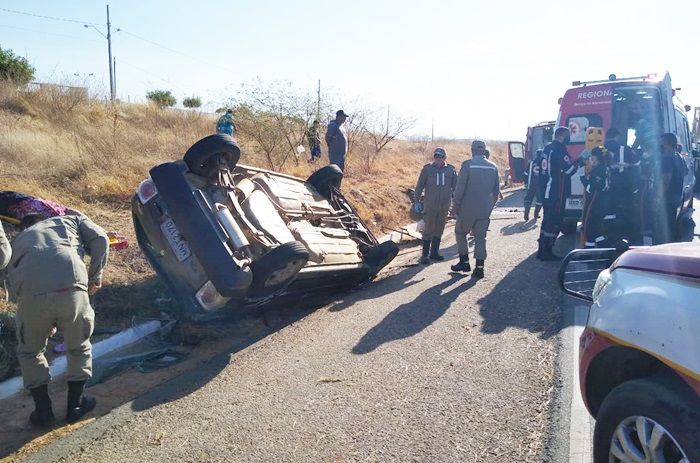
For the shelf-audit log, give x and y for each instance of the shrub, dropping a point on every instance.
(192, 102)
(163, 98)
(15, 68)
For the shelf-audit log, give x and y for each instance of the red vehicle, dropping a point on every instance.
(641, 108)
(519, 154)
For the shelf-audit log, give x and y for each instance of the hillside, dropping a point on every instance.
(91, 156)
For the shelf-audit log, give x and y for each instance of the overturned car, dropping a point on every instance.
(223, 235)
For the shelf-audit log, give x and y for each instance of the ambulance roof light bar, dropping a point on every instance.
(613, 78)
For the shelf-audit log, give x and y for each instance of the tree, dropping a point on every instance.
(15, 69)
(192, 102)
(380, 132)
(276, 116)
(163, 98)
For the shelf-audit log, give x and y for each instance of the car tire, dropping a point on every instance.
(275, 270)
(380, 255)
(569, 228)
(203, 157)
(325, 179)
(8, 346)
(667, 401)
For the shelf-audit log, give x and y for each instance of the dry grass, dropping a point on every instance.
(91, 156)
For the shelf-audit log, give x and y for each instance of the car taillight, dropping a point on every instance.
(209, 297)
(147, 190)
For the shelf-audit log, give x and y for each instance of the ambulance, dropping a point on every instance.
(641, 108)
(520, 154)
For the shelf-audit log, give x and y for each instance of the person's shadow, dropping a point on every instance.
(413, 317)
(400, 279)
(520, 227)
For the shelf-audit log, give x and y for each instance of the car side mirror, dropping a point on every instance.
(580, 268)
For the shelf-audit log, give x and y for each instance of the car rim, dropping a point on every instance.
(283, 274)
(641, 439)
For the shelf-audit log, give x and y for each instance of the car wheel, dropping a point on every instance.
(8, 346)
(649, 419)
(275, 270)
(325, 179)
(204, 157)
(380, 255)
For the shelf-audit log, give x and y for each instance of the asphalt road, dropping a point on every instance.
(422, 365)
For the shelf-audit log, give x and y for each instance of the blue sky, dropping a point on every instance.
(486, 69)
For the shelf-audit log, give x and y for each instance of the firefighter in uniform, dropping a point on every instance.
(51, 284)
(475, 196)
(623, 220)
(533, 186)
(559, 168)
(437, 180)
(597, 200)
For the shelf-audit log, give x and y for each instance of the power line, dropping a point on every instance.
(172, 50)
(82, 39)
(54, 18)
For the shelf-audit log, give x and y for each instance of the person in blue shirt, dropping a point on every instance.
(225, 123)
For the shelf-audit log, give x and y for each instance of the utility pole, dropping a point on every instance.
(112, 86)
(387, 119)
(432, 131)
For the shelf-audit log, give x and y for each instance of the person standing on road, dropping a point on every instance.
(314, 137)
(51, 284)
(625, 180)
(437, 180)
(5, 249)
(337, 140)
(225, 123)
(533, 186)
(667, 189)
(558, 169)
(597, 200)
(475, 196)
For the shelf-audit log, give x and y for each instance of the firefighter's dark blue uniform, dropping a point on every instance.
(597, 206)
(559, 168)
(534, 187)
(624, 219)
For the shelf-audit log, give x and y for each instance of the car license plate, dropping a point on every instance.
(574, 203)
(177, 243)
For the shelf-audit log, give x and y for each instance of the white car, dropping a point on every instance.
(640, 351)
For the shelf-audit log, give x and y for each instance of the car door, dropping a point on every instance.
(516, 161)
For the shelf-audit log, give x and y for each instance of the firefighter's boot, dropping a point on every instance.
(42, 416)
(478, 269)
(426, 249)
(547, 254)
(78, 404)
(434, 248)
(462, 265)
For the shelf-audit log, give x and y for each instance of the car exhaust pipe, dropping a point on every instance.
(238, 239)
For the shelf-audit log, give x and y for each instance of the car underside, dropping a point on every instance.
(222, 234)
